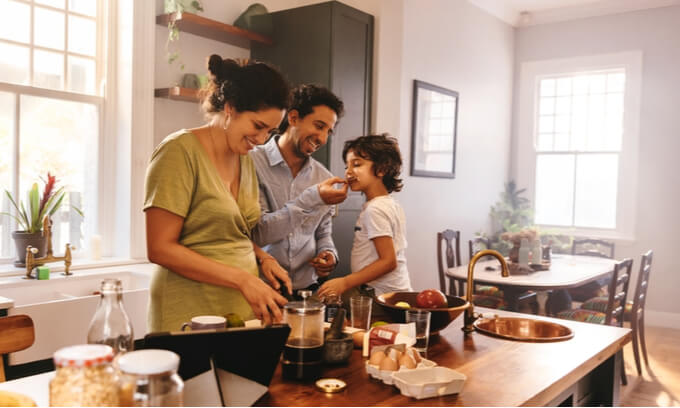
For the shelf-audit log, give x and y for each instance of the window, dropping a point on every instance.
(52, 66)
(577, 146)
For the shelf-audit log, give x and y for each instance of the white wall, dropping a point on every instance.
(655, 32)
(448, 43)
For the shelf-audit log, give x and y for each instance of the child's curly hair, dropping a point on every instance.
(383, 151)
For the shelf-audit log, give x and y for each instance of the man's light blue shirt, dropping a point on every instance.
(295, 225)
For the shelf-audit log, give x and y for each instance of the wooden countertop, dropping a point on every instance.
(499, 372)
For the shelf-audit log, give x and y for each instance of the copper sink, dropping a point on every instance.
(523, 329)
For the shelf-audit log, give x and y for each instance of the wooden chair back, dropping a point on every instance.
(477, 244)
(448, 258)
(640, 296)
(16, 333)
(618, 292)
(593, 247)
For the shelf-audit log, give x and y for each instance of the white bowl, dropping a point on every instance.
(428, 382)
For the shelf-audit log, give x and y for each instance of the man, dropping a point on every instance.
(297, 193)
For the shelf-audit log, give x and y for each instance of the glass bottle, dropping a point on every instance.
(333, 304)
(84, 377)
(149, 379)
(110, 324)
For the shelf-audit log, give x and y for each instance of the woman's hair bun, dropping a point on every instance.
(215, 65)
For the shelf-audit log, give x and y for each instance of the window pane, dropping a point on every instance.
(545, 124)
(87, 7)
(554, 189)
(596, 187)
(15, 21)
(48, 69)
(563, 105)
(544, 142)
(580, 85)
(49, 28)
(547, 87)
(61, 137)
(547, 106)
(81, 75)
(14, 64)
(54, 3)
(564, 86)
(561, 142)
(82, 36)
(7, 225)
(597, 83)
(616, 82)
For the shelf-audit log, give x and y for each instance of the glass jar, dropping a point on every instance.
(84, 377)
(333, 304)
(149, 378)
(110, 324)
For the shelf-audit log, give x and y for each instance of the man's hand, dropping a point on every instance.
(324, 263)
(331, 195)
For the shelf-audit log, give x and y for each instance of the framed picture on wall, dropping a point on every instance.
(433, 143)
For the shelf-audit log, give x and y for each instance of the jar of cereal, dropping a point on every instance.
(84, 377)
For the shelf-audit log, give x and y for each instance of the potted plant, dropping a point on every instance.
(30, 217)
(176, 8)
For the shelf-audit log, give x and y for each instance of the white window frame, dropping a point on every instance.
(527, 129)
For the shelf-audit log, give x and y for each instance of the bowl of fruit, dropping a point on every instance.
(443, 308)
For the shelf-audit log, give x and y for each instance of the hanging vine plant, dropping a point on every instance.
(175, 8)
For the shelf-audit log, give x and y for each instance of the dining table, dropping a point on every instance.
(563, 272)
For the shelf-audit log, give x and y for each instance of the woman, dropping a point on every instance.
(201, 202)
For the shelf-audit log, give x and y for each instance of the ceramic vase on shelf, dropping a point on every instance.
(23, 239)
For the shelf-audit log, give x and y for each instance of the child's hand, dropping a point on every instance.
(336, 286)
(331, 195)
(324, 263)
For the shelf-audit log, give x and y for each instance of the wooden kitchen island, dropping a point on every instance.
(582, 371)
(577, 372)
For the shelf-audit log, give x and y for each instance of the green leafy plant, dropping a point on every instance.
(511, 214)
(175, 8)
(30, 217)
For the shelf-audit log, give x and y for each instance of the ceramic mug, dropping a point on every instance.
(205, 323)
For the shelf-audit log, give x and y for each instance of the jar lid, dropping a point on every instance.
(304, 307)
(148, 362)
(83, 355)
(331, 385)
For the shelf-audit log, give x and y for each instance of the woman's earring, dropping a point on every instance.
(226, 121)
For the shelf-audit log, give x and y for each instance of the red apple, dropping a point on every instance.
(431, 299)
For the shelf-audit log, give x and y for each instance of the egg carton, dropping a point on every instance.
(429, 382)
(386, 376)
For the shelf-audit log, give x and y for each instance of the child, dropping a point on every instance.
(373, 165)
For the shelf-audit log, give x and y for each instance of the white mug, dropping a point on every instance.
(206, 322)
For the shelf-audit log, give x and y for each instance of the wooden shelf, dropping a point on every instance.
(178, 94)
(215, 30)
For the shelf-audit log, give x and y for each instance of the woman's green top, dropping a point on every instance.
(182, 179)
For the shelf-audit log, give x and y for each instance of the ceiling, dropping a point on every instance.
(521, 13)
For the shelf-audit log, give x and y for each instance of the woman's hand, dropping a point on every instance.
(336, 286)
(265, 301)
(275, 274)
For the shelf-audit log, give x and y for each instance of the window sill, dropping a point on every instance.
(9, 269)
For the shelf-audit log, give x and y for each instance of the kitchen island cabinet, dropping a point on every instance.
(582, 371)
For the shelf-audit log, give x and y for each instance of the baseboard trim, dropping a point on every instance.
(662, 319)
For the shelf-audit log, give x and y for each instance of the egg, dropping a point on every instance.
(406, 361)
(377, 357)
(415, 355)
(358, 338)
(389, 364)
(394, 354)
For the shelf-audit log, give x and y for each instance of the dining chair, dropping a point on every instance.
(16, 333)
(610, 309)
(591, 247)
(637, 310)
(529, 297)
(451, 258)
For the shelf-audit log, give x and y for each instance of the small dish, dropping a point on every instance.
(429, 382)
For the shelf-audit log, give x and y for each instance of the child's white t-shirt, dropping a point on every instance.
(380, 217)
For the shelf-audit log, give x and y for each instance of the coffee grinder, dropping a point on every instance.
(303, 352)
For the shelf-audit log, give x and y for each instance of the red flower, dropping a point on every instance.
(47, 193)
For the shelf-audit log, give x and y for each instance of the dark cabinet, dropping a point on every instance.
(329, 44)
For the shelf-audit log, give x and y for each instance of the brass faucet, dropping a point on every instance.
(32, 261)
(469, 312)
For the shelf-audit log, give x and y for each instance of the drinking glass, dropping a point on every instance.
(360, 310)
(422, 320)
